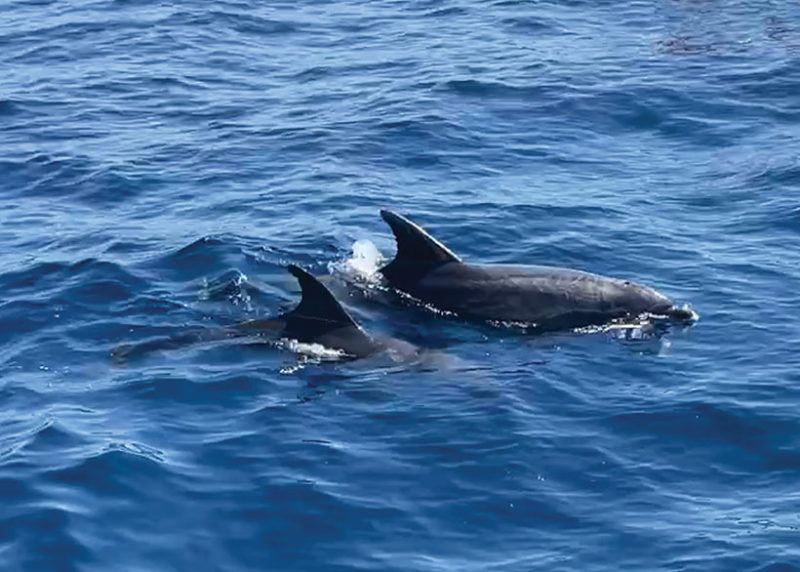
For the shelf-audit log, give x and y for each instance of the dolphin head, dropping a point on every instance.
(640, 299)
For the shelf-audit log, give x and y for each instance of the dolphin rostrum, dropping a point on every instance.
(540, 298)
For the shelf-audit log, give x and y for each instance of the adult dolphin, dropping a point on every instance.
(542, 298)
(318, 319)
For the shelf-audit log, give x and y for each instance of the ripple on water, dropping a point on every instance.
(162, 165)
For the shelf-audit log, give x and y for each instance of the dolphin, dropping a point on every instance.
(541, 298)
(318, 319)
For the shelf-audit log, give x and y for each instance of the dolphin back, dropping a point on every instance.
(417, 251)
(318, 311)
(548, 297)
(320, 318)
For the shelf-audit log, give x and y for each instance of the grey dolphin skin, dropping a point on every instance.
(318, 319)
(541, 297)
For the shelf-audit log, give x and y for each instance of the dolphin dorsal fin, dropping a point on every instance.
(318, 311)
(415, 247)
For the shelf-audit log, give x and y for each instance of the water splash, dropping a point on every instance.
(362, 265)
(643, 328)
(231, 286)
(312, 352)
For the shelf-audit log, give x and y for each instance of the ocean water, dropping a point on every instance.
(162, 162)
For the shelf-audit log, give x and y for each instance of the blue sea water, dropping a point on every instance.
(162, 162)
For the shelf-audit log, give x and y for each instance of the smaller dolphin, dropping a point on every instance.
(541, 298)
(318, 319)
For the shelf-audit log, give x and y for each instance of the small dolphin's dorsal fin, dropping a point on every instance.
(415, 247)
(318, 311)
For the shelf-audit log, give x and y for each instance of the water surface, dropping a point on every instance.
(163, 161)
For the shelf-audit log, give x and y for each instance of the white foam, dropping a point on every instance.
(316, 352)
(639, 329)
(364, 262)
